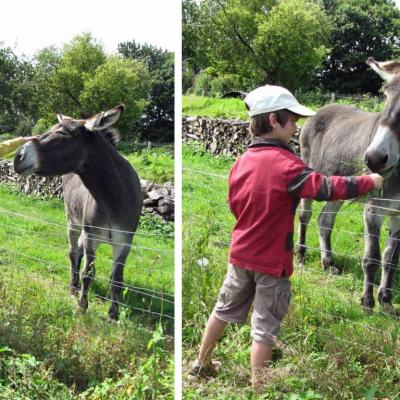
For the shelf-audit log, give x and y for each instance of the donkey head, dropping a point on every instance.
(63, 148)
(383, 153)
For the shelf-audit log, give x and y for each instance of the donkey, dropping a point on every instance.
(334, 141)
(102, 193)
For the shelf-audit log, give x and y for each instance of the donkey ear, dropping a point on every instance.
(105, 119)
(62, 117)
(387, 70)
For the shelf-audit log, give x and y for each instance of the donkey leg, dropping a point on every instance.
(89, 270)
(372, 255)
(75, 256)
(389, 265)
(120, 253)
(304, 218)
(326, 221)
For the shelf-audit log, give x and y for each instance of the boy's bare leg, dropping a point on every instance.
(212, 333)
(261, 354)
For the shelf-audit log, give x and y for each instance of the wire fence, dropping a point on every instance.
(155, 303)
(341, 302)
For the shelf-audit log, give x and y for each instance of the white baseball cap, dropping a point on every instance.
(270, 98)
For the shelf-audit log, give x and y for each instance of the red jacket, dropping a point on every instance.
(265, 187)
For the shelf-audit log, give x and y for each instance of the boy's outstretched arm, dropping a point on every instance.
(304, 182)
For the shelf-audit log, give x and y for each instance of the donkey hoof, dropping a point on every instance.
(112, 315)
(332, 269)
(300, 252)
(327, 263)
(367, 305)
(388, 308)
(83, 303)
(73, 290)
(113, 319)
(335, 270)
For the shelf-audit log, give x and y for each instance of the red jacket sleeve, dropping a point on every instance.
(304, 182)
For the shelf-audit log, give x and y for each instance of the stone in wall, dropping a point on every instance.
(222, 136)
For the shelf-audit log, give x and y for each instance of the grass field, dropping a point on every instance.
(235, 108)
(331, 348)
(48, 348)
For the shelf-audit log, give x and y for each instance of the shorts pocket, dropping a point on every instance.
(282, 295)
(222, 298)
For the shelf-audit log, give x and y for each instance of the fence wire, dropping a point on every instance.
(149, 295)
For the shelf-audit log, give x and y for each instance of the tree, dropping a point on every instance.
(157, 120)
(362, 28)
(265, 41)
(114, 82)
(193, 54)
(61, 74)
(16, 89)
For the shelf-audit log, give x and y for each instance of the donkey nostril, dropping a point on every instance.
(20, 155)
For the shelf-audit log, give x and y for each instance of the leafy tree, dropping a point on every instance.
(79, 61)
(16, 89)
(362, 28)
(48, 95)
(114, 82)
(157, 120)
(193, 54)
(264, 41)
(80, 80)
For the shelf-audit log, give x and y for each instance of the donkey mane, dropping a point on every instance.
(112, 135)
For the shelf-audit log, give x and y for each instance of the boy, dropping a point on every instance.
(265, 186)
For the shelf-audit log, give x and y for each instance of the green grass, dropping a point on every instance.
(37, 315)
(68, 352)
(156, 164)
(332, 349)
(215, 108)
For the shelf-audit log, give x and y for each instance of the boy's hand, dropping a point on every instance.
(378, 180)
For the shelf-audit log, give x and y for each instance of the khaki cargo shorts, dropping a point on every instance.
(269, 295)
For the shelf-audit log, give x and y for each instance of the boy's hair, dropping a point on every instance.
(260, 123)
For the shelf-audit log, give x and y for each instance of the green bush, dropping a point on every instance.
(223, 84)
(23, 377)
(41, 126)
(188, 77)
(202, 84)
(24, 126)
(156, 165)
(152, 378)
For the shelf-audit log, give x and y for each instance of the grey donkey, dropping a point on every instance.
(102, 194)
(334, 141)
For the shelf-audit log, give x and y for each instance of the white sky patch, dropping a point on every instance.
(28, 26)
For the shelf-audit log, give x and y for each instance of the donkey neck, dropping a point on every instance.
(104, 176)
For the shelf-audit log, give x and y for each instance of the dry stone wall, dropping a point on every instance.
(158, 199)
(222, 136)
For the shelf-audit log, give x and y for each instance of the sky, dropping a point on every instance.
(28, 26)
